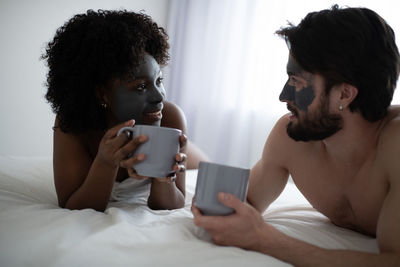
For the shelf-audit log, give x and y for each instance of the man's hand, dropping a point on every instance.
(245, 228)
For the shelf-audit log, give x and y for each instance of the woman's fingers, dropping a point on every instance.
(180, 157)
(168, 180)
(132, 174)
(182, 140)
(179, 168)
(124, 151)
(131, 161)
(112, 132)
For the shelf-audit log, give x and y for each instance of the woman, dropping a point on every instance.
(104, 74)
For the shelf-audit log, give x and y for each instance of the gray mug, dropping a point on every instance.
(213, 178)
(160, 149)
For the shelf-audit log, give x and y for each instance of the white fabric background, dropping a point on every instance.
(34, 231)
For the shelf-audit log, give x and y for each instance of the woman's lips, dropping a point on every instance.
(152, 116)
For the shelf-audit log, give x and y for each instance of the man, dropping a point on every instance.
(340, 143)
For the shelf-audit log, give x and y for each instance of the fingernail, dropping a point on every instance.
(141, 157)
(223, 196)
(130, 122)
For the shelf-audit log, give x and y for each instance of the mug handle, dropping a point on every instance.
(129, 131)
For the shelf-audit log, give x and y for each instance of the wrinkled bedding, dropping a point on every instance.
(34, 231)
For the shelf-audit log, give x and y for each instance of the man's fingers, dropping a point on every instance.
(230, 201)
(210, 223)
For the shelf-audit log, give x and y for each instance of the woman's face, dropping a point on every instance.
(140, 97)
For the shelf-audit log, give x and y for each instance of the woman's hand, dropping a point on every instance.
(129, 163)
(179, 167)
(114, 149)
(180, 160)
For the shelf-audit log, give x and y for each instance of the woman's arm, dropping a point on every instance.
(170, 195)
(80, 181)
(194, 156)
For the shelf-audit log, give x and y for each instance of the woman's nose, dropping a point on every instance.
(157, 94)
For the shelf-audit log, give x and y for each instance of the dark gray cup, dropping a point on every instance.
(160, 149)
(213, 178)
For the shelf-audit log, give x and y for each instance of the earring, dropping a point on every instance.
(103, 105)
(340, 107)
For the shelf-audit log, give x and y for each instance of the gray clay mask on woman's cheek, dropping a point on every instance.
(302, 98)
(128, 105)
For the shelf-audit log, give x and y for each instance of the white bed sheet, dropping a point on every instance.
(34, 231)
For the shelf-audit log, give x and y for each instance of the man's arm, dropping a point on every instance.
(388, 236)
(269, 176)
(247, 229)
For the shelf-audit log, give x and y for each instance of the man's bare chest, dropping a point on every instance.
(349, 197)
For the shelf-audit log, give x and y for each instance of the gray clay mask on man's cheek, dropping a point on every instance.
(301, 98)
(304, 98)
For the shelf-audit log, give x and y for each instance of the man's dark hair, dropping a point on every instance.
(91, 50)
(349, 45)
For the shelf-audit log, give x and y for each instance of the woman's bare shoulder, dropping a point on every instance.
(173, 116)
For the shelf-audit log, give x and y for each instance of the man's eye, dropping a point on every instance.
(293, 81)
(160, 80)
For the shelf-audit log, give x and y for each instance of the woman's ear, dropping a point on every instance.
(102, 97)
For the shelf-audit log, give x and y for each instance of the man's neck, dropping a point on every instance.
(355, 141)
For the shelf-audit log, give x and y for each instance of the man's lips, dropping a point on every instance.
(292, 110)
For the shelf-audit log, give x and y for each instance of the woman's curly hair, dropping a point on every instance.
(91, 50)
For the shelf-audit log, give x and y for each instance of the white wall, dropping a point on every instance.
(25, 26)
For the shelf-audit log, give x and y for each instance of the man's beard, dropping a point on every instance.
(318, 128)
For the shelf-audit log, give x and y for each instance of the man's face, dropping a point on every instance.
(310, 118)
(140, 97)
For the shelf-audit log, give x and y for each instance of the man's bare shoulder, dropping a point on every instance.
(389, 144)
(390, 134)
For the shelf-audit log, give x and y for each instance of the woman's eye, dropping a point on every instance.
(141, 87)
(160, 80)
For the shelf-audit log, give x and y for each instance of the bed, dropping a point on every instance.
(34, 231)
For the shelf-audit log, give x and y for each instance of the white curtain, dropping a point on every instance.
(228, 67)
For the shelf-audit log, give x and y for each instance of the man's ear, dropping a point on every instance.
(348, 93)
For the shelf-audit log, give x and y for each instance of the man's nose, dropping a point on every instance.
(288, 93)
